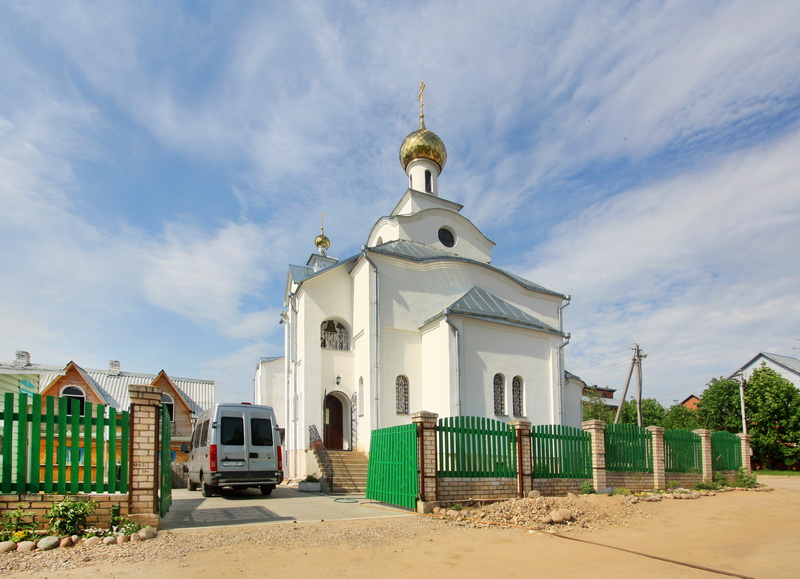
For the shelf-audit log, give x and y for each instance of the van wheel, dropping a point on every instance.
(207, 490)
(266, 489)
(192, 485)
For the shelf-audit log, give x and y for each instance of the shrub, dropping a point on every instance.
(745, 480)
(310, 478)
(704, 485)
(621, 491)
(68, 517)
(587, 487)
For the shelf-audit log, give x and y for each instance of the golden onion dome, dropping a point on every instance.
(322, 241)
(423, 144)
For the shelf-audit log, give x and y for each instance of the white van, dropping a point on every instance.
(236, 445)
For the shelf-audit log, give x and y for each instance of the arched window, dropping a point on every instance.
(499, 385)
(77, 399)
(516, 396)
(428, 181)
(167, 401)
(333, 336)
(401, 391)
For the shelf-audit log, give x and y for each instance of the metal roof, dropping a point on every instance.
(199, 394)
(421, 252)
(481, 304)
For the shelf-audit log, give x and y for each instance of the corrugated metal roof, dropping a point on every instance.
(300, 272)
(788, 362)
(479, 303)
(199, 394)
(421, 252)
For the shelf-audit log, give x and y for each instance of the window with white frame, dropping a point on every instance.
(401, 391)
(167, 401)
(76, 399)
(516, 396)
(499, 386)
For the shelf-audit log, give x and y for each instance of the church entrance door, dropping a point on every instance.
(333, 423)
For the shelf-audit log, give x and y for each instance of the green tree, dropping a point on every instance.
(719, 407)
(652, 412)
(773, 418)
(680, 417)
(595, 409)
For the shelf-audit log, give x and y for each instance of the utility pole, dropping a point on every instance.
(636, 362)
(740, 374)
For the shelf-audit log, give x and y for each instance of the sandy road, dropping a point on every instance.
(746, 533)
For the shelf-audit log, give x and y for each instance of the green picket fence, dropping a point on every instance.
(726, 451)
(54, 451)
(629, 448)
(392, 467)
(561, 452)
(683, 451)
(473, 446)
(165, 464)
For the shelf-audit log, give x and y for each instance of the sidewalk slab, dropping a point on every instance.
(190, 510)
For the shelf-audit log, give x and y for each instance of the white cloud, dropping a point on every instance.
(701, 270)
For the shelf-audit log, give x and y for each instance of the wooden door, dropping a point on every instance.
(333, 423)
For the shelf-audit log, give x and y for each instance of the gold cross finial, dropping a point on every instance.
(421, 100)
(322, 223)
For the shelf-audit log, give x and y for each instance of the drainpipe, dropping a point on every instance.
(458, 360)
(559, 406)
(293, 382)
(376, 343)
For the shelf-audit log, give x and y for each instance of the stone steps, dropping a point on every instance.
(349, 472)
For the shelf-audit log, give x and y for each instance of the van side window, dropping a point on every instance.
(261, 429)
(204, 433)
(232, 431)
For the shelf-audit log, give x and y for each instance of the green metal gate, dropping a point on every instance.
(726, 451)
(165, 464)
(392, 472)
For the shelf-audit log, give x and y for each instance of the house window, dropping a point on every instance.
(401, 390)
(76, 399)
(516, 396)
(428, 181)
(499, 386)
(166, 400)
(333, 336)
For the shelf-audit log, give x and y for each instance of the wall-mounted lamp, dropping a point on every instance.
(338, 379)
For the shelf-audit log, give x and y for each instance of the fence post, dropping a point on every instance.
(426, 452)
(522, 429)
(144, 476)
(659, 463)
(745, 438)
(705, 446)
(597, 430)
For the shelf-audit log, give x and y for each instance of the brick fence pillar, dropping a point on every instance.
(705, 446)
(746, 452)
(144, 479)
(522, 429)
(659, 457)
(426, 454)
(597, 430)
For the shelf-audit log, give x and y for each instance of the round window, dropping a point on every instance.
(446, 237)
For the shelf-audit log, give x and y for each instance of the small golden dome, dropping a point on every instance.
(423, 144)
(322, 241)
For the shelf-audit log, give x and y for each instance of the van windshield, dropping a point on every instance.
(261, 429)
(232, 431)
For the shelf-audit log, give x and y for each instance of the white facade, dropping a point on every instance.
(420, 309)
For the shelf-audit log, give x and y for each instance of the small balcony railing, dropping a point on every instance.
(335, 341)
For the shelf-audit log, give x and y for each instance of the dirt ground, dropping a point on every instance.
(744, 534)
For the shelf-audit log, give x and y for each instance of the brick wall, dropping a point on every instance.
(630, 480)
(40, 504)
(685, 480)
(558, 487)
(464, 488)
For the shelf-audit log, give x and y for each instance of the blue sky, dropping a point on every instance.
(162, 162)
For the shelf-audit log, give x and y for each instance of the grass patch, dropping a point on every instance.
(766, 472)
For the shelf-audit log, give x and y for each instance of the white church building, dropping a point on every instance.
(420, 319)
